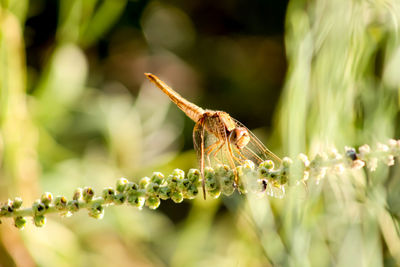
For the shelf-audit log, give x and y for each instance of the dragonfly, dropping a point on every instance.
(217, 137)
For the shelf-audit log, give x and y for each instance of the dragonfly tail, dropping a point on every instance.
(191, 110)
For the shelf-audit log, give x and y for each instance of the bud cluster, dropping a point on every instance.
(247, 178)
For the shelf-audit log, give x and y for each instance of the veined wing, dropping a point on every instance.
(210, 134)
(255, 150)
(213, 147)
(218, 150)
(210, 143)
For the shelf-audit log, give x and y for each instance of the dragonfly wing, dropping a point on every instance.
(255, 150)
(208, 145)
(213, 148)
(218, 150)
(198, 137)
(198, 142)
(211, 132)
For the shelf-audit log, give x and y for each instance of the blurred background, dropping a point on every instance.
(304, 76)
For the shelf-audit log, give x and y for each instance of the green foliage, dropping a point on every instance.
(75, 109)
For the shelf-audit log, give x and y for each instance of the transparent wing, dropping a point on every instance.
(216, 150)
(213, 148)
(198, 142)
(255, 150)
(212, 133)
(198, 138)
(209, 139)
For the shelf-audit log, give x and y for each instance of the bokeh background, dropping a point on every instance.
(304, 76)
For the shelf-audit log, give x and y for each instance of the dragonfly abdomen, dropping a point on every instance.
(191, 110)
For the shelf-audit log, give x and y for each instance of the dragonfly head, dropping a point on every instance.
(239, 137)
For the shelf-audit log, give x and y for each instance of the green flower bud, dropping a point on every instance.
(132, 187)
(153, 188)
(191, 192)
(164, 192)
(286, 162)
(46, 198)
(121, 185)
(248, 166)
(211, 182)
(227, 191)
(136, 200)
(172, 182)
(222, 170)
(119, 198)
(7, 209)
(193, 176)
(39, 220)
(227, 187)
(264, 169)
(4, 210)
(19, 222)
(274, 175)
(38, 207)
(77, 194)
(17, 203)
(108, 194)
(88, 194)
(153, 202)
(268, 164)
(157, 178)
(226, 178)
(178, 174)
(282, 178)
(96, 211)
(60, 203)
(215, 193)
(182, 185)
(73, 205)
(177, 197)
(144, 182)
(241, 187)
(317, 161)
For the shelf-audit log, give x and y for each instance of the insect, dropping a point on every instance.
(217, 137)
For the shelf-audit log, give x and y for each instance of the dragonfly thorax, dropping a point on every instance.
(238, 136)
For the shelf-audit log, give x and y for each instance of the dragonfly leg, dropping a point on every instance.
(203, 182)
(216, 151)
(231, 161)
(210, 150)
(240, 160)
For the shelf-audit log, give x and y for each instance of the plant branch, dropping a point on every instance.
(263, 179)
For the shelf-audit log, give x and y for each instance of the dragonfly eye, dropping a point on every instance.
(240, 137)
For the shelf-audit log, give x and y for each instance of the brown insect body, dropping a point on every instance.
(223, 125)
(217, 137)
